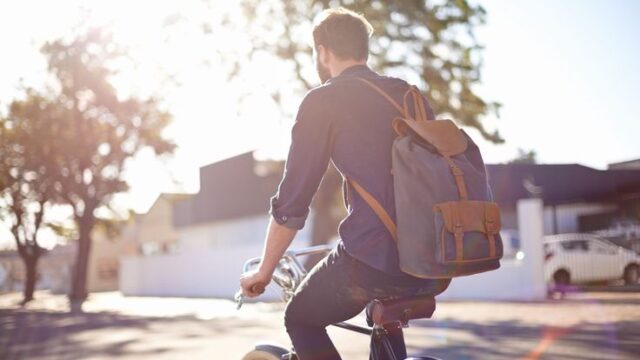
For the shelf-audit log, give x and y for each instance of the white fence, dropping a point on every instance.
(205, 273)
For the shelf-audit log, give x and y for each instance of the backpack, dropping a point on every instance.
(447, 224)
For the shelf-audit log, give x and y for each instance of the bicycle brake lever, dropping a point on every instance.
(239, 299)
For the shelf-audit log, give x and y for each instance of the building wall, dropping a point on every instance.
(104, 264)
(154, 230)
(236, 232)
(509, 217)
(208, 261)
(12, 272)
(567, 216)
(626, 165)
(55, 267)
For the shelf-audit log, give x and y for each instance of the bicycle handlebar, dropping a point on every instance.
(289, 254)
(289, 272)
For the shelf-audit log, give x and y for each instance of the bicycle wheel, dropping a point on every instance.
(266, 352)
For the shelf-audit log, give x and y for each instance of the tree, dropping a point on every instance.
(431, 43)
(101, 133)
(525, 157)
(26, 183)
(94, 134)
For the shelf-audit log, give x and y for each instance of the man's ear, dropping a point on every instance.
(324, 55)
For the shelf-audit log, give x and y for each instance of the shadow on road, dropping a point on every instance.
(608, 330)
(517, 340)
(32, 334)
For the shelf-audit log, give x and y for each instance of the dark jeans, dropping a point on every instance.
(337, 289)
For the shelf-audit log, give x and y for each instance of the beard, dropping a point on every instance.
(323, 72)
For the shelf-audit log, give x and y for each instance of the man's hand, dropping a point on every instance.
(253, 283)
(279, 238)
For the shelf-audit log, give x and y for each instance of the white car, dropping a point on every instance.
(583, 258)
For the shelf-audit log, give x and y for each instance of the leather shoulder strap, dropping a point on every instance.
(412, 92)
(377, 208)
(368, 198)
(385, 95)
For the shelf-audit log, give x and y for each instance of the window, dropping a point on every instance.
(575, 245)
(602, 247)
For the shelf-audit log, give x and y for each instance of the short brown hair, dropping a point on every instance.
(344, 32)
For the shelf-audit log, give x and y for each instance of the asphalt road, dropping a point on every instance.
(591, 325)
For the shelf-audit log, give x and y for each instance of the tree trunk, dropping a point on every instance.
(30, 259)
(31, 265)
(79, 282)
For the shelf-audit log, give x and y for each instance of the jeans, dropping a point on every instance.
(337, 289)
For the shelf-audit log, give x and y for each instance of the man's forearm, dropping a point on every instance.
(279, 237)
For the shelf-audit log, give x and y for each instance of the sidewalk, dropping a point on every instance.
(584, 326)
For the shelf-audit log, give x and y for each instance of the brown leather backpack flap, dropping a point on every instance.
(444, 135)
(480, 216)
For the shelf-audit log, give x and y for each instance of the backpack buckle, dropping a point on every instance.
(458, 235)
(489, 226)
(456, 170)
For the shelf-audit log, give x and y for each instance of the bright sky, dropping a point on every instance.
(567, 75)
(565, 72)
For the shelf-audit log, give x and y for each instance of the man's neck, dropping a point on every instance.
(341, 66)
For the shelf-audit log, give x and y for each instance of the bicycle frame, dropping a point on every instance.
(289, 274)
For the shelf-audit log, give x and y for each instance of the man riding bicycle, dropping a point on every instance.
(344, 122)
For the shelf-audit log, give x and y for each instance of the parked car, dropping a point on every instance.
(583, 258)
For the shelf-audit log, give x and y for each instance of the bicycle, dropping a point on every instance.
(383, 315)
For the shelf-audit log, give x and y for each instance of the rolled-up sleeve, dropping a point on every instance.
(306, 163)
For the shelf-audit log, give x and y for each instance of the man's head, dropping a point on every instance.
(340, 37)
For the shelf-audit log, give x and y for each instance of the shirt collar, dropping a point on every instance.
(355, 69)
(352, 71)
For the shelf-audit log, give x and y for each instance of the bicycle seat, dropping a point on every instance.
(380, 312)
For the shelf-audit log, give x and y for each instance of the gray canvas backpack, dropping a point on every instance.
(446, 222)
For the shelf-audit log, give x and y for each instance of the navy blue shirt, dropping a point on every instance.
(348, 123)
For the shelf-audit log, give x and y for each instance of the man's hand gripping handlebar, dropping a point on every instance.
(288, 274)
(252, 284)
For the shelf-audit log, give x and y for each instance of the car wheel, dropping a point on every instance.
(562, 278)
(631, 275)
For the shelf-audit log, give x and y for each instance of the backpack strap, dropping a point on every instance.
(384, 94)
(421, 115)
(458, 175)
(377, 208)
(413, 92)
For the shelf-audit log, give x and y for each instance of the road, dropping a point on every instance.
(598, 326)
